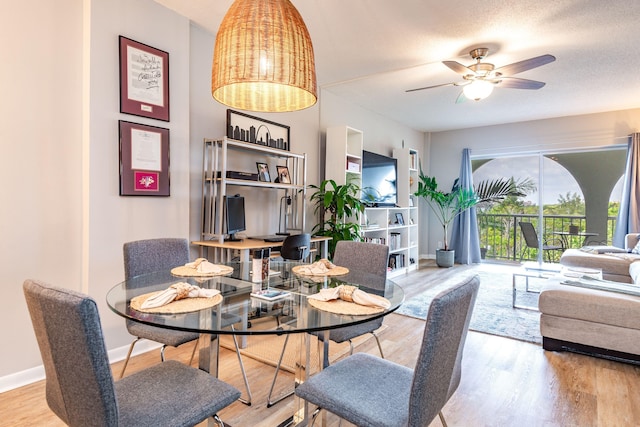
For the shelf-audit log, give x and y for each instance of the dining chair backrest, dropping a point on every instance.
(79, 387)
(441, 350)
(529, 233)
(296, 247)
(362, 256)
(146, 256)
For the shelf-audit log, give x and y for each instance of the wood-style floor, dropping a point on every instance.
(505, 382)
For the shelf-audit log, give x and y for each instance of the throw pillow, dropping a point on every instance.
(636, 248)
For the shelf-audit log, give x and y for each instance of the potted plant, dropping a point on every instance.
(339, 207)
(445, 206)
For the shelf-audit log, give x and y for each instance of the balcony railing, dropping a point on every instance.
(502, 239)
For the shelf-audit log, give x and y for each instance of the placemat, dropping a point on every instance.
(185, 271)
(335, 271)
(184, 305)
(339, 306)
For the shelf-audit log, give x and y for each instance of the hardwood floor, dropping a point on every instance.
(505, 382)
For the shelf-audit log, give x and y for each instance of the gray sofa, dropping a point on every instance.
(591, 321)
(616, 263)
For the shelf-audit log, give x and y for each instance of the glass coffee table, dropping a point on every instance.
(532, 270)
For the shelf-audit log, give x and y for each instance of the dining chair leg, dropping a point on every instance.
(193, 353)
(378, 342)
(270, 402)
(246, 401)
(444, 423)
(126, 360)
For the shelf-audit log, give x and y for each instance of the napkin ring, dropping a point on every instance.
(198, 261)
(182, 290)
(346, 292)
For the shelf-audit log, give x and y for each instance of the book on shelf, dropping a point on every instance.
(270, 294)
(396, 261)
(378, 240)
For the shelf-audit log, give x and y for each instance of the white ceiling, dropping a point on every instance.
(371, 51)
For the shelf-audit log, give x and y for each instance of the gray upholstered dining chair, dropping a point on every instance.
(366, 257)
(147, 256)
(403, 396)
(80, 388)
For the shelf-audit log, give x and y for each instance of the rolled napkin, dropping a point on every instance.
(201, 265)
(317, 268)
(178, 291)
(351, 294)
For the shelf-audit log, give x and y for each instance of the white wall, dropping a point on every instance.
(585, 131)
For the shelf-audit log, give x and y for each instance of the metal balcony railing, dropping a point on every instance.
(501, 238)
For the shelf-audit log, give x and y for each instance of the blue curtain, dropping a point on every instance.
(628, 215)
(465, 239)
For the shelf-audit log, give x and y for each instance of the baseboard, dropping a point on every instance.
(35, 374)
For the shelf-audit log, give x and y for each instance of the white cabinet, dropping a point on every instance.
(343, 160)
(408, 178)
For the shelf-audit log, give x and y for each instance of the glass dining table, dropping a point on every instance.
(295, 314)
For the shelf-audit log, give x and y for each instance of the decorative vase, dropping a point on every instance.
(445, 258)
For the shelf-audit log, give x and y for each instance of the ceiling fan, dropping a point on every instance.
(480, 78)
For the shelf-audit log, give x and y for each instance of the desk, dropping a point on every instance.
(245, 247)
(236, 289)
(564, 236)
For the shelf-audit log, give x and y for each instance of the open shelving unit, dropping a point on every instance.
(215, 182)
(395, 226)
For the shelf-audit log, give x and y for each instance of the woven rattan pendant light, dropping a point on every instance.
(263, 58)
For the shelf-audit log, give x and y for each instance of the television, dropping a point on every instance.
(234, 216)
(379, 180)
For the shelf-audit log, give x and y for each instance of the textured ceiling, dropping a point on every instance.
(371, 51)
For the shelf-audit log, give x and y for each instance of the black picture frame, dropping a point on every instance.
(263, 172)
(144, 160)
(283, 175)
(144, 80)
(399, 218)
(255, 130)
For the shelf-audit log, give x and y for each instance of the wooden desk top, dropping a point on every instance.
(248, 243)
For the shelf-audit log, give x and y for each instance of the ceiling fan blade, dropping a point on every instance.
(527, 64)
(431, 87)
(516, 83)
(458, 67)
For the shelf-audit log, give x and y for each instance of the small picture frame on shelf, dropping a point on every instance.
(283, 175)
(263, 172)
(399, 218)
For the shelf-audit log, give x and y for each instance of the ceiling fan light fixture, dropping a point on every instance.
(478, 89)
(263, 58)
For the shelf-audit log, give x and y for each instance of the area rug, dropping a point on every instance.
(493, 312)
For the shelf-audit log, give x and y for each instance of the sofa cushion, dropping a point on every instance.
(634, 272)
(611, 264)
(590, 305)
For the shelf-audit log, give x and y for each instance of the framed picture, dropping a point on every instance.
(263, 172)
(399, 218)
(283, 175)
(144, 80)
(243, 127)
(144, 160)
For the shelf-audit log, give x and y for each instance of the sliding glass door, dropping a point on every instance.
(565, 197)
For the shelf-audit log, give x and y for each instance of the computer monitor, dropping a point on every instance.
(234, 216)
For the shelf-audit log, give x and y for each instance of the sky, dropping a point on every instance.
(557, 180)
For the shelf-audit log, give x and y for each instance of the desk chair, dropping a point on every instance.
(356, 256)
(146, 256)
(531, 240)
(80, 388)
(296, 247)
(369, 391)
